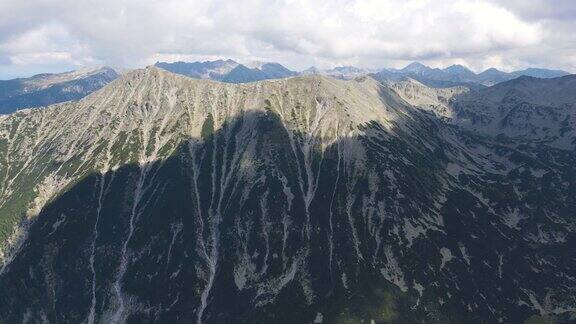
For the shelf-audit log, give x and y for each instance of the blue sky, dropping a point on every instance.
(56, 35)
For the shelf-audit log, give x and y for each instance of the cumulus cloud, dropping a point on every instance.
(298, 33)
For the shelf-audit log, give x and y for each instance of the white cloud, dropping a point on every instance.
(298, 33)
(541, 9)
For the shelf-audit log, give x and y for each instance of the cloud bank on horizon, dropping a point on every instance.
(55, 35)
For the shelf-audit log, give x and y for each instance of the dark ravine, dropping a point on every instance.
(299, 200)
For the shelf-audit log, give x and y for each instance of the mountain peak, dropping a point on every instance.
(491, 70)
(415, 67)
(255, 64)
(458, 68)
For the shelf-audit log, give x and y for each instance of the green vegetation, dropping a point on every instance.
(537, 319)
(381, 307)
(208, 127)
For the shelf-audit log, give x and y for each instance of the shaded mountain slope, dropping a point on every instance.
(527, 108)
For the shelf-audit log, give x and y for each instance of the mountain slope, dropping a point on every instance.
(47, 89)
(243, 74)
(436, 100)
(525, 108)
(276, 71)
(163, 198)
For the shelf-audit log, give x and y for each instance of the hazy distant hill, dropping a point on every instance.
(47, 89)
(460, 75)
(228, 71)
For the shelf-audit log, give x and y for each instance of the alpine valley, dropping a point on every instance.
(162, 198)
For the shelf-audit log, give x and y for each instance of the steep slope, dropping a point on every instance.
(243, 74)
(47, 89)
(460, 73)
(436, 100)
(167, 199)
(526, 108)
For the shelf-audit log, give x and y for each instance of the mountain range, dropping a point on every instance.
(228, 71)
(309, 199)
(455, 75)
(46, 89)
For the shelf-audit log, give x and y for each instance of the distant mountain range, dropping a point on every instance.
(233, 72)
(228, 71)
(46, 89)
(339, 72)
(460, 75)
(455, 75)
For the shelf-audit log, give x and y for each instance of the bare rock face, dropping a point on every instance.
(166, 199)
